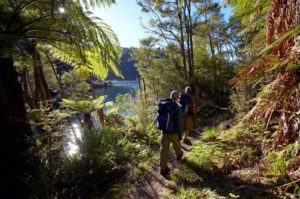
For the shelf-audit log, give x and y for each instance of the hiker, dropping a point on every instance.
(169, 120)
(188, 106)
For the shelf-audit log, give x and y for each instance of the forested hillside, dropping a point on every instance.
(223, 91)
(126, 66)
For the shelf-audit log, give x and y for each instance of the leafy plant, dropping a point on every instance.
(86, 106)
(210, 134)
(278, 165)
(271, 69)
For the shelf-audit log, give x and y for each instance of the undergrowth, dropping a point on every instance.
(223, 164)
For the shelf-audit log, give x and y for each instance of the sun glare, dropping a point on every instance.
(61, 10)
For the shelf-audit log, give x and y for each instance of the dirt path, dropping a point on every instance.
(153, 184)
(243, 182)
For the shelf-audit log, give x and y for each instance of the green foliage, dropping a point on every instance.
(166, 61)
(97, 142)
(47, 125)
(86, 106)
(140, 119)
(288, 34)
(281, 162)
(249, 11)
(205, 193)
(244, 155)
(74, 85)
(231, 135)
(239, 101)
(156, 67)
(40, 187)
(100, 160)
(183, 193)
(278, 164)
(209, 134)
(63, 35)
(202, 155)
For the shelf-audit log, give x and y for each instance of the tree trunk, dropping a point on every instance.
(41, 87)
(189, 41)
(190, 22)
(182, 49)
(145, 94)
(56, 75)
(15, 161)
(27, 97)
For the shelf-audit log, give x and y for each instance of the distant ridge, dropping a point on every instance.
(126, 66)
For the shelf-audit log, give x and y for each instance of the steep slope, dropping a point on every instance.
(126, 66)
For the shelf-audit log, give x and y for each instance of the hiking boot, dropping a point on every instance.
(165, 172)
(180, 158)
(187, 141)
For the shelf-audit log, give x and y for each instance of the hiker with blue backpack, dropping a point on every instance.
(169, 121)
(188, 106)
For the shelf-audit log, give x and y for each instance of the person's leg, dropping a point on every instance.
(188, 126)
(186, 134)
(185, 129)
(177, 146)
(164, 152)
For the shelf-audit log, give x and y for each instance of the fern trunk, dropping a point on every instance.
(15, 131)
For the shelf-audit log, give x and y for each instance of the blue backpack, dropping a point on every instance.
(184, 100)
(166, 115)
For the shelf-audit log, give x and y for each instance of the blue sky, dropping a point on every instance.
(125, 19)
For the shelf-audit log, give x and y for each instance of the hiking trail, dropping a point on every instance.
(232, 184)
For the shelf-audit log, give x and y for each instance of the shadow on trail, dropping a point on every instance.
(151, 185)
(224, 184)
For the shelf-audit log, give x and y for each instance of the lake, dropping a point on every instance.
(118, 87)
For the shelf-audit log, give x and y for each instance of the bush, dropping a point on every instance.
(210, 134)
(239, 101)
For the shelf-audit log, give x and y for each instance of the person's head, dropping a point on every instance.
(174, 95)
(188, 90)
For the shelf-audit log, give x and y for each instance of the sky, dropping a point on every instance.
(126, 18)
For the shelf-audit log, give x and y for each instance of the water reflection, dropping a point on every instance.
(119, 87)
(73, 134)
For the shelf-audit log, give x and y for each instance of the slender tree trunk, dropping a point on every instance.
(145, 94)
(15, 134)
(100, 111)
(187, 30)
(212, 54)
(41, 87)
(140, 87)
(189, 41)
(27, 97)
(56, 75)
(212, 50)
(182, 48)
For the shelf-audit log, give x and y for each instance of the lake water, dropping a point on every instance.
(119, 87)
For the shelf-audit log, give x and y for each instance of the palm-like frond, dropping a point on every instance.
(94, 3)
(83, 40)
(278, 71)
(86, 106)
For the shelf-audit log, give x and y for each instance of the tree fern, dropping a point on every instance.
(276, 69)
(84, 38)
